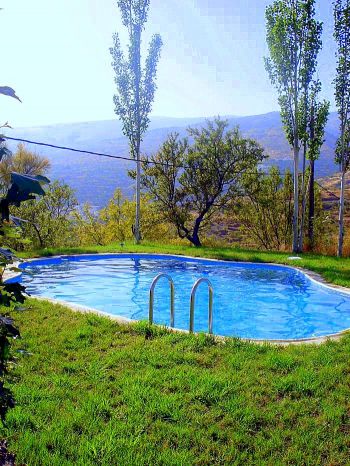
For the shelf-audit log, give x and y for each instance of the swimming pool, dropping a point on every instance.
(257, 301)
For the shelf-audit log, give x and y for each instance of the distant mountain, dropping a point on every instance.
(95, 178)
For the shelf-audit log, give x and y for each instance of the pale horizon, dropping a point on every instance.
(190, 117)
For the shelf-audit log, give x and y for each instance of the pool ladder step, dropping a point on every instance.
(172, 301)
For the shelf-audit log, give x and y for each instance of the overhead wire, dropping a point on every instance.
(120, 157)
(103, 154)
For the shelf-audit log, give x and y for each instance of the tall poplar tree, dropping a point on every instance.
(135, 84)
(342, 98)
(294, 40)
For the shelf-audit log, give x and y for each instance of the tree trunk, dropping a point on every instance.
(296, 200)
(311, 204)
(303, 204)
(137, 64)
(194, 238)
(39, 235)
(341, 212)
(137, 231)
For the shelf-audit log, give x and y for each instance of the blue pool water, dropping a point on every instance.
(250, 300)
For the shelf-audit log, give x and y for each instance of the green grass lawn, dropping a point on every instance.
(92, 392)
(334, 270)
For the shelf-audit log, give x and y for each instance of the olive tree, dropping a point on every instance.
(191, 182)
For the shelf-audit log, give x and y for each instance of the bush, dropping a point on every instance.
(114, 223)
(48, 220)
(265, 212)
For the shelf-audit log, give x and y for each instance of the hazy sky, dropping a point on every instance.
(55, 53)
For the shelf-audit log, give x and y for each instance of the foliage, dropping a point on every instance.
(21, 189)
(342, 99)
(317, 120)
(266, 210)
(23, 161)
(135, 85)
(4, 150)
(294, 40)
(47, 221)
(342, 80)
(115, 222)
(89, 228)
(172, 399)
(7, 332)
(192, 182)
(118, 218)
(10, 294)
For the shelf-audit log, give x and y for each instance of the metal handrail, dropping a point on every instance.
(210, 305)
(172, 298)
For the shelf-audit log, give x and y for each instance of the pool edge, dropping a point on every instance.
(125, 321)
(313, 276)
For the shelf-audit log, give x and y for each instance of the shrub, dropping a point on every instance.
(48, 220)
(115, 222)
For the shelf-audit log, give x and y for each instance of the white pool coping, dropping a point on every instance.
(313, 276)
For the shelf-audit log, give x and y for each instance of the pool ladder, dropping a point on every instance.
(172, 301)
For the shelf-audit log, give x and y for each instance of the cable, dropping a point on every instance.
(327, 190)
(100, 154)
(337, 198)
(129, 159)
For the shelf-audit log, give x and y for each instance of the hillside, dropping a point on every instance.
(331, 193)
(95, 178)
